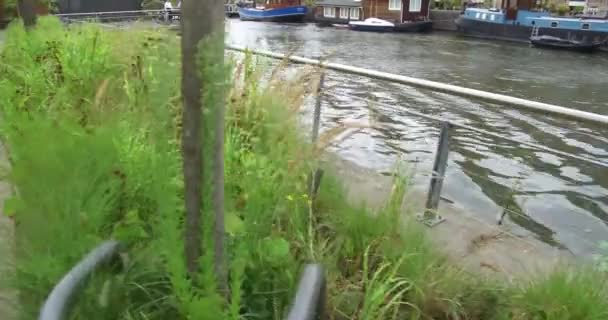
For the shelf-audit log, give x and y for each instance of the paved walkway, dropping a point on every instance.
(7, 296)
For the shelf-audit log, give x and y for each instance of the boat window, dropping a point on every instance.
(483, 16)
(492, 17)
(394, 4)
(415, 5)
(354, 13)
(533, 22)
(343, 13)
(585, 26)
(329, 12)
(554, 24)
(477, 15)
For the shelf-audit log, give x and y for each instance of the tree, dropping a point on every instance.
(203, 119)
(27, 11)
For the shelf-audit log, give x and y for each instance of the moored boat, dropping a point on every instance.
(518, 20)
(552, 42)
(414, 26)
(275, 11)
(372, 24)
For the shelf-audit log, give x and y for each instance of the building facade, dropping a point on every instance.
(338, 11)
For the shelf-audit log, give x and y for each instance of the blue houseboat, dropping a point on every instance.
(275, 11)
(516, 20)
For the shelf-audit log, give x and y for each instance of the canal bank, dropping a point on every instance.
(561, 201)
(476, 245)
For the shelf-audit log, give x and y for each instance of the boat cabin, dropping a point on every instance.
(397, 11)
(338, 11)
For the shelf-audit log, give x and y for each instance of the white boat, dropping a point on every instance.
(372, 24)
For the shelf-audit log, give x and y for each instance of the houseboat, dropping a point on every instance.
(406, 16)
(518, 20)
(275, 11)
(337, 12)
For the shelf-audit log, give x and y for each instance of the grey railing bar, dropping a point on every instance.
(108, 13)
(309, 302)
(56, 306)
(437, 86)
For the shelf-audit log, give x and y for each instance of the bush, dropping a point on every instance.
(562, 9)
(91, 118)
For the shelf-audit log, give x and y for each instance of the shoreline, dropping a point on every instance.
(468, 241)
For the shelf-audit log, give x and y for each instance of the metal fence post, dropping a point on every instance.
(317, 174)
(430, 216)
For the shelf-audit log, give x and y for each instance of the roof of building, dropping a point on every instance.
(340, 3)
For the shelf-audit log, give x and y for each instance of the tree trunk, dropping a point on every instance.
(203, 27)
(27, 12)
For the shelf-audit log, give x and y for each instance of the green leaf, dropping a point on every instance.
(11, 205)
(276, 250)
(234, 224)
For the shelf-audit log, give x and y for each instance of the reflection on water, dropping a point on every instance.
(560, 200)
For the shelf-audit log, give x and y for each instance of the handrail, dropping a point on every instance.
(437, 86)
(309, 302)
(56, 306)
(101, 13)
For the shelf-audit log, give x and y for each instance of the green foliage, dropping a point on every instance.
(562, 9)
(564, 294)
(92, 121)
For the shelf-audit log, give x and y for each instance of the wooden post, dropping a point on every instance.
(27, 11)
(203, 28)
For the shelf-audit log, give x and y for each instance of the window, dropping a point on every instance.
(343, 13)
(394, 4)
(354, 13)
(477, 15)
(492, 17)
(415, 5)
(554, 24)
(484, 16)
(585, 26)
(329, 12)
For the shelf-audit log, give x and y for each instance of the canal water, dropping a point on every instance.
(558, 200)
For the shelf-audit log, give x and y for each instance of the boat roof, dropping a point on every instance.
(569, 19)
(339, 3)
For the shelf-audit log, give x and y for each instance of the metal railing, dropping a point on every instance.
(308, 304)
(62, 297)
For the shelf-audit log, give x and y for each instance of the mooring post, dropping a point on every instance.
(430, 216)
(317, 174)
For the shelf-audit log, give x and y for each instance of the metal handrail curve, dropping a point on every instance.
(57, 305)
(309, 302)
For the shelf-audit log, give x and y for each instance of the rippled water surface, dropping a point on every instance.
(557, 199)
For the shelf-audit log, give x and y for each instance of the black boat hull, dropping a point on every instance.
(582, 47)
(512, 32)
(293, 19)
(417, 26)
(371, 28)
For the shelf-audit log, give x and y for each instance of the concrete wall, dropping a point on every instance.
(444, 19)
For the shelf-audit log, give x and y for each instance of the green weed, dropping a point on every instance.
(91, 118)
